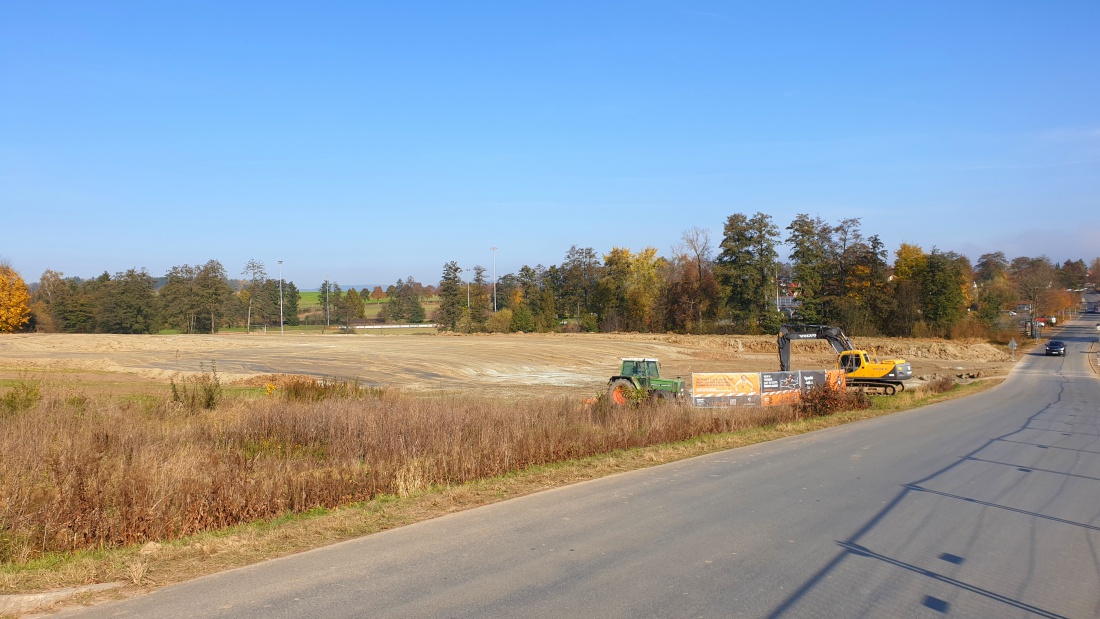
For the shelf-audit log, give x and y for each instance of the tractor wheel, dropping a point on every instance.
(620, 391)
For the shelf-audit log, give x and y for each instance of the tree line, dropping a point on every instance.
(832, 273)
(188, 299)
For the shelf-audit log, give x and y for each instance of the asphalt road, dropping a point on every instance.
(981, 507)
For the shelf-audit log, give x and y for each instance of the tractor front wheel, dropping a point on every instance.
(620, 391)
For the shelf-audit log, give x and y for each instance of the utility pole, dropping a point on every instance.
(281, 332)
(467, 290)
(777, 287)
(494, 278)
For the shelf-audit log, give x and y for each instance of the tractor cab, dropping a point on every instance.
(641, 369)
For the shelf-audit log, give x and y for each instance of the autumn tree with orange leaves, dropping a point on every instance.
(14, 300)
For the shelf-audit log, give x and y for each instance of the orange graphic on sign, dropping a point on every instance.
(725, 384)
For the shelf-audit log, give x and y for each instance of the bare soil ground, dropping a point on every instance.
(512, 365)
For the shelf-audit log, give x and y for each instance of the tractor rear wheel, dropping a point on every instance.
(621, 391)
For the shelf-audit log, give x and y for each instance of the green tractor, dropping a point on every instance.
(641, 378)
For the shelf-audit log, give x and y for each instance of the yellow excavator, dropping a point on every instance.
(861, 370)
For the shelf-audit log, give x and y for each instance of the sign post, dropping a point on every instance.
(1012, 347)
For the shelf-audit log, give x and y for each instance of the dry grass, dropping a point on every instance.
(80, 477)
(78, 473)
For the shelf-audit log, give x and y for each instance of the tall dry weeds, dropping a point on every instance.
(78, 472)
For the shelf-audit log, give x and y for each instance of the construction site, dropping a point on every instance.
(496, 365)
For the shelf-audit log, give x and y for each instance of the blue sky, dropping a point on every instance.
(367, 141)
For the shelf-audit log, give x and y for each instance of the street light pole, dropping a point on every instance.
(494, 278)
(281, 297)
(777, 287)
(467, 290)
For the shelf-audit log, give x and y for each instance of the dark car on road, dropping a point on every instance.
(1056, 347)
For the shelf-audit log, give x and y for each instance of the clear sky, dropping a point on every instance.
(367, 141)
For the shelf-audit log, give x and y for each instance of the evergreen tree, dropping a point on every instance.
(452, 297)
(942, 301)
(746, 267)
(811, 245)
(128, 305)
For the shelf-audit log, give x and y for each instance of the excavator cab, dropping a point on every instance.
(850, 361)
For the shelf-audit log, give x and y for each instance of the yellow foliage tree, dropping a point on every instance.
(644, 287)
(14, 300)
(631, 284)
(910, 263)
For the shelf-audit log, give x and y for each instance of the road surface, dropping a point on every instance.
(981, 507)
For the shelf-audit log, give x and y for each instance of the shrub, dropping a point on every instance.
(23, 396)
(500, 322)
(942, 384)
(823, 400)
(971, 328)
(201, 391)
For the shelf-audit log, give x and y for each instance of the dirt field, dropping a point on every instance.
(498, 365)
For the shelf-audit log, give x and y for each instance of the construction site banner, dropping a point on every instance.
(813, 378)
(725, 389)
(780, 388)
(717, 389)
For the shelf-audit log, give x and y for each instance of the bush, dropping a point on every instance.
(500, 322)
(971, 328)
(942, 384)
(199, 391)
(23, 396)
(823, 400)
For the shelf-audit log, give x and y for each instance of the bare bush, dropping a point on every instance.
(942, 384)
(823, 400)
(198, 391)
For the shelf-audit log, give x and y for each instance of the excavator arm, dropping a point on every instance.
(833, 335)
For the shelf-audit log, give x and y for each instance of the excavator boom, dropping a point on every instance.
(833, 335)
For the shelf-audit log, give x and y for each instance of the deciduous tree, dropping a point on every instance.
(257, 276)
(14, 300)
(1033, 277)
(990, 267)
(580, 273)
